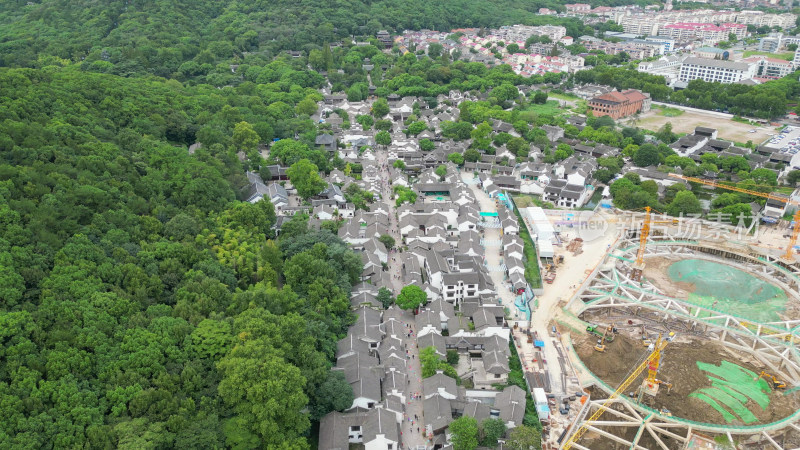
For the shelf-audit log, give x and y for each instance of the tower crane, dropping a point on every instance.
(789, 255)
(650, 363)
(638, 267)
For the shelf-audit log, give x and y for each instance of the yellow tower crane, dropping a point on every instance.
(789, 254)
(650, 363)
(638, 267)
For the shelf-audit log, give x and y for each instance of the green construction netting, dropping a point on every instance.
(727, 289)
(733, 385)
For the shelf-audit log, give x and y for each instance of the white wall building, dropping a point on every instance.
(715, 70)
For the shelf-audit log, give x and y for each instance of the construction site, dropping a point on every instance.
(684, 336)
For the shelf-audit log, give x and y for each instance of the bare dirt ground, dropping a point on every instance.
(686, 122)
(679, 366)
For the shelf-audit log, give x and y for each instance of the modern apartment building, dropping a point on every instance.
(715, 70)
(707, 32)
(770, 67)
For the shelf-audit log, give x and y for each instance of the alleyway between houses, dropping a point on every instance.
(413, 418)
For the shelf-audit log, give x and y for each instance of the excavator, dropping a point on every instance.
(776, 383)
(650, 363)
(600, 347)
(607, 335)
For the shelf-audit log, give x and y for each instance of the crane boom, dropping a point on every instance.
(789, 255)
(644, 233)
(643, 236)
(656, 353)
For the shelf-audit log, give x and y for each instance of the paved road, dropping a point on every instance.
(493, 255)
(413, 418)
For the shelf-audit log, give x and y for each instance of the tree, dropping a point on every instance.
(385, 297)
(793, 177)
(646, 155)
(505, 92)
(264, 391)
(684, 203)
(365, 121)
(725, 199)
(244, 137)
(472, 155)
(435, 50)
(512, 48)
(517, 146)
(665, 133)
(426, 145)
(604, 121)
(383, 138)
(399, 164)
(764, 176)
(304, 176)
(441, 171)
(431, 363)
(411, 297)
(524, 438)
(480, 136)
(491, 432)
(452, 357)
(334, 394)
(456, 158)
(563, 151)
(383, 125)
(317, 60)
(416, 128)
(380, 108)
(387, 241)
(540, 97)
(649, 186)
(306, 106)
(464, 433)
(739, 213)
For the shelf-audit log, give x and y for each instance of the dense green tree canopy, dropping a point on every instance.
(305, 177)
(142, 304)
(411, 297)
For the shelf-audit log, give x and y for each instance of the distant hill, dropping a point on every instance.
(156, 36)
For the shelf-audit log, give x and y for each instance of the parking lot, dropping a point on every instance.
(787, 141)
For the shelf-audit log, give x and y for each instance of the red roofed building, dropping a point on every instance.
(620, 104)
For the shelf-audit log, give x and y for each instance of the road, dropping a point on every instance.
(571, 274)
(413, 418)
(493, 248)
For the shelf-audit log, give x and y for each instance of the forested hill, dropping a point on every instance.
(156, 36)
(141, 306)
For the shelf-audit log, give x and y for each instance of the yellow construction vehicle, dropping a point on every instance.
(776, 383)
(650, 361)
(600, 347)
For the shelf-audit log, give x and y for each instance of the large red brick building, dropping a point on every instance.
(620, 104)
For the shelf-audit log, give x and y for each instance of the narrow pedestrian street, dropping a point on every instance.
(412, 428)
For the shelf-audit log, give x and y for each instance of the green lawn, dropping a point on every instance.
(567, 97)
(550, 108)
(670, 112)
(532, 275)
(788, 56)
(526, 201)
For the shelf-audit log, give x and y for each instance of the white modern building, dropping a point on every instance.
(715, 70)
